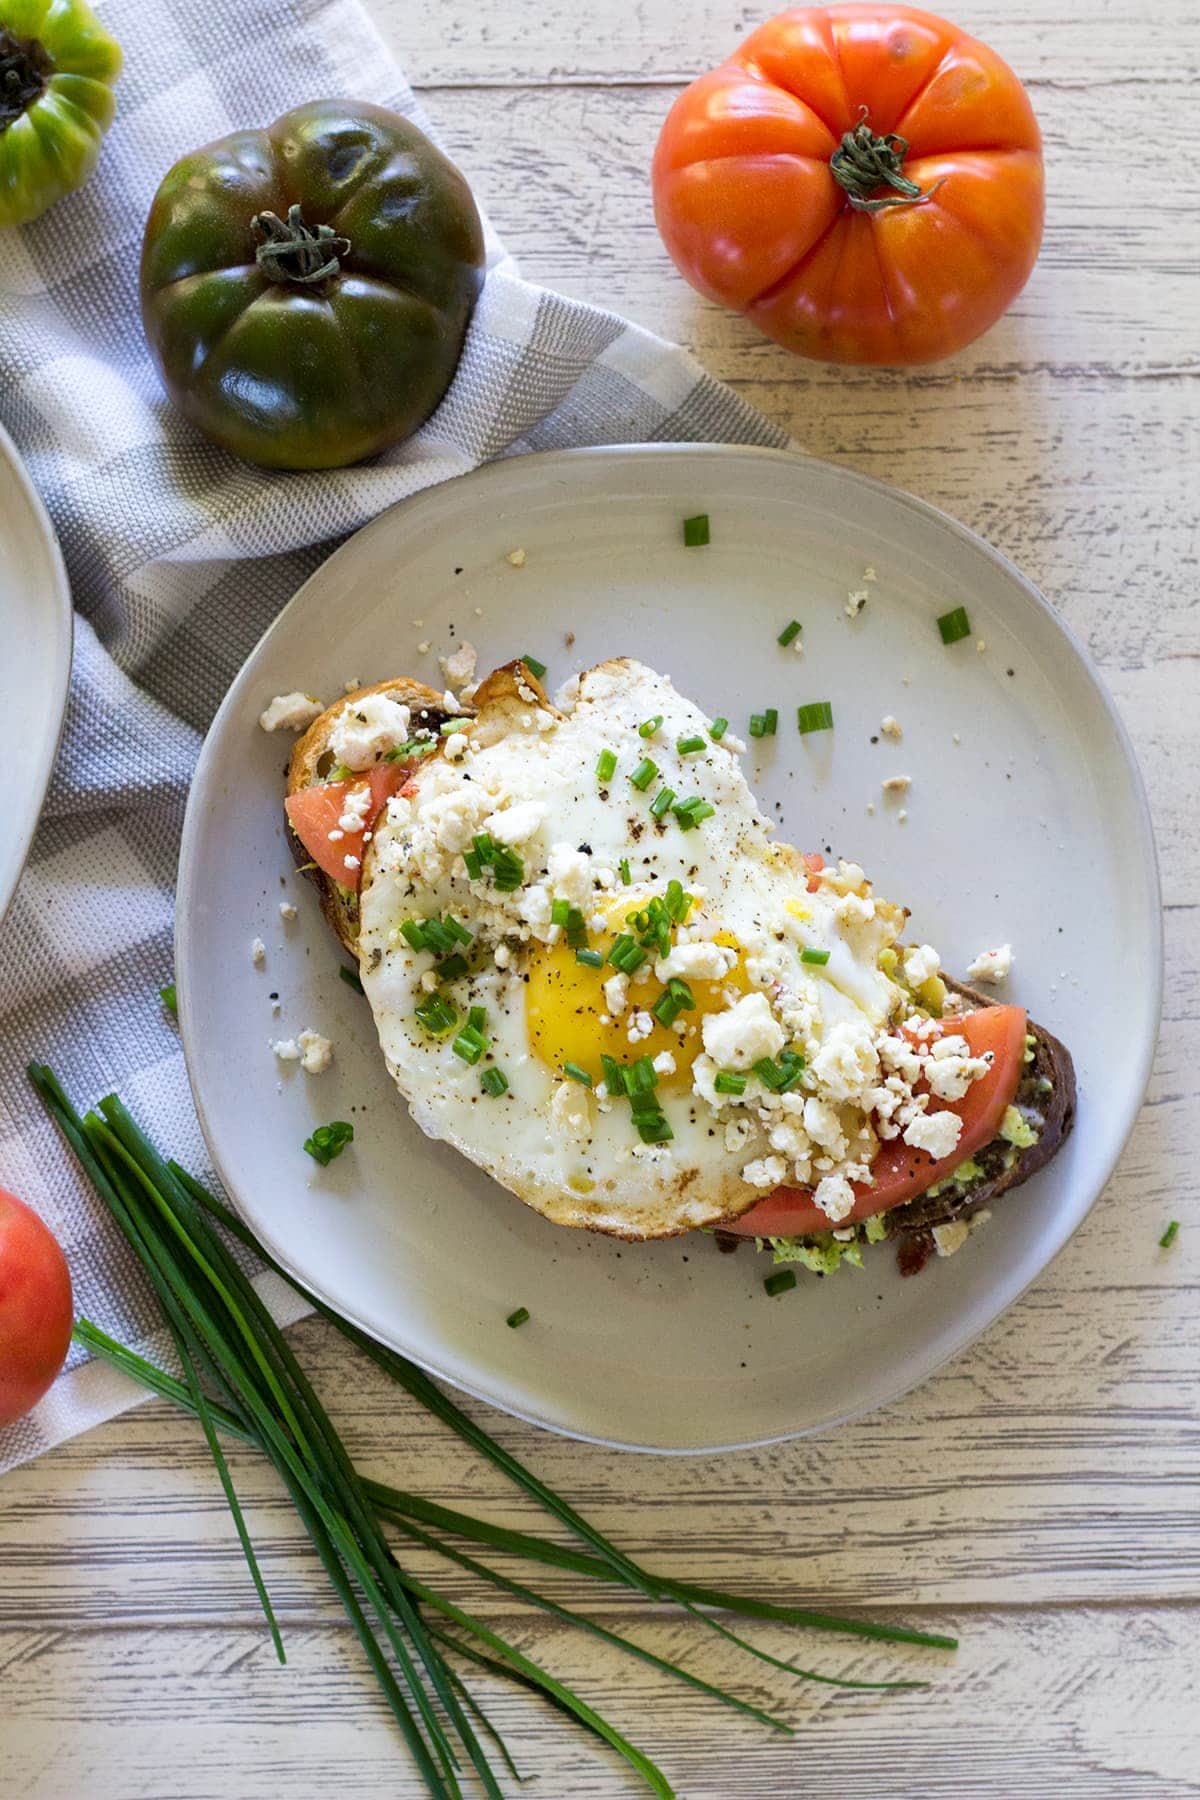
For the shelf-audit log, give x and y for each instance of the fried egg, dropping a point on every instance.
(596, 974)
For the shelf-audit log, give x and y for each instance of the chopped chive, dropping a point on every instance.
(678, 902)
(169, 997)
(470, 1044)
(1169, 1235)
(655, 1129)
(770, 721)
(448, 727)
(691, 812)
(790, 632)
(614, 1076)
(606, 766)
(328, 1141)
(695, 531)
(688, 746)
(779, 1282)
(559, 909)
(437, 1015)
(758, 725)
(717, 729)
(350, 977)
(494, 1082)
(626, 954)
(593, 959)
(484, 845)
(954, 625)
(641, 1076)
(648, 727)
(623, 871)
(728, 1081)
(519, 1317)
(782, 1075)
(477, 1018)
(576, 929)
(661, 802)
(573, 1072)
(820, 957)
(473, 863)
(817, 716)
(536, 669)
(644, 774)
(457, 929)
(451, 967)
(413, 931)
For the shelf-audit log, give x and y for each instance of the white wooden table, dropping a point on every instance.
(1042, 1495)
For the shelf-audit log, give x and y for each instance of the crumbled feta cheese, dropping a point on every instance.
(738, 1133)
(834, 1195)
(352, 862)
(286, 910)
(366, 729)
(902, 816)
(258, 953)
(891, 727)
(316, 1052)
(516, 558)
(290, 712)
(992, 965)
(855, 602)
(936, 1132)
(696, 962)
(336, 835)
(766, 1172)
(569, 874)
(286, 1050)
(424, 647)
(640, 1027)
(920, 965)
(823, 1126)
(616, 994)
(847, 1063)
(739, 1038)
(664, 1063)
(455, 747)
(356, 810)
(570, 1111)
(517, 824)
(459, 667)
(949, 1075)
(897, 784)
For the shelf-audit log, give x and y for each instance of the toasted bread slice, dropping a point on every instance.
(312, 761)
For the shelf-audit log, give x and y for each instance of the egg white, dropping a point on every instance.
(532, 767)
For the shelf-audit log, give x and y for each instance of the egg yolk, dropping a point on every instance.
(569, 1021)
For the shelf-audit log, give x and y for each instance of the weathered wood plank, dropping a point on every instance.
(1090, 1701)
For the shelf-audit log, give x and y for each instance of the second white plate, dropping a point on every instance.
(1025, 822)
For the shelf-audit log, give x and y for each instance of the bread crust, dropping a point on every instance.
(311, 761)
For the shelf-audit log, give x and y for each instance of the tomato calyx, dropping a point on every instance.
(24, 67)
(292, 251)
(863, 163)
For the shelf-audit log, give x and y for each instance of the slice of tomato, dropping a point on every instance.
(901, 1173)
(314, 812)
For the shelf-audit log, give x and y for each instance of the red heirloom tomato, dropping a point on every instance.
(35, 1308)
(864, 182)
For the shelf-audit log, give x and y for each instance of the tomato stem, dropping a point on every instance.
(863, 163)
(294, 251)
(24, 67)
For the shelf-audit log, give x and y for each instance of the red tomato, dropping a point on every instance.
(35, 1308)
(314, 812)
(900, 1172)
(864, 182)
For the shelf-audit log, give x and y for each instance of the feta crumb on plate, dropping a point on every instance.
(891, 727)
(258, 953)
(897, 784)
(316, 1052)
(290, 712)
(992, 965)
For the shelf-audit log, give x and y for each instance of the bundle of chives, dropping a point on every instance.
(240, 1377)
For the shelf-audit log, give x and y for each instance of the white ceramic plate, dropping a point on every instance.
(1032, 828)
(35, 662)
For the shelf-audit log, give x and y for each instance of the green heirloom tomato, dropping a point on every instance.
(306, 289)
(57, 67)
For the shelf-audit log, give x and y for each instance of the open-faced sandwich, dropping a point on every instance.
(596, 974)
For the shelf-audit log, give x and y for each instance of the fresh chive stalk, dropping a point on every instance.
(696, 531)
(519, 1317)
(790, 633)
(536, 669)
(241, 1377)
(328, 1141)
(1169, 1235)
(816, 716)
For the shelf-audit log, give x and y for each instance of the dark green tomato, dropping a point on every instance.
(306, 289)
